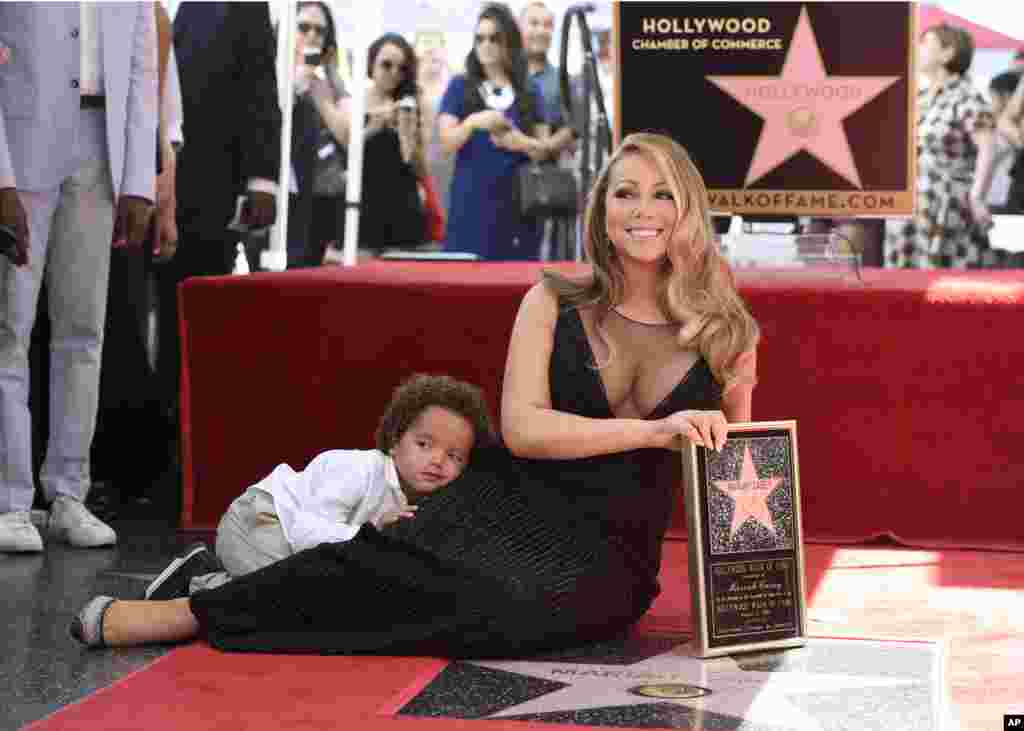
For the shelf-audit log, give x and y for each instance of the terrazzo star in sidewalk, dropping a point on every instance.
(721, 689)
(804, 107)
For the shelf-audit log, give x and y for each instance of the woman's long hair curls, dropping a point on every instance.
(696, 288)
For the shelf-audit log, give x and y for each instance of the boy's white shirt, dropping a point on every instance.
(334, 495)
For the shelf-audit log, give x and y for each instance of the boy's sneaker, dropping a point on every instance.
(172, 583)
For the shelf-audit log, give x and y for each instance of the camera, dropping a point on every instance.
(313, 56)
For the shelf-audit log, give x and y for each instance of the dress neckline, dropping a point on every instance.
(653, 413)
(627, 318)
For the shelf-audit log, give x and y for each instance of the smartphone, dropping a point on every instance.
(8, 242)
(313, 56)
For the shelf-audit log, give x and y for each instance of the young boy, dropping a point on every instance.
(424, 441)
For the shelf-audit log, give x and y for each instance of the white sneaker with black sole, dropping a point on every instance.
(173, 581)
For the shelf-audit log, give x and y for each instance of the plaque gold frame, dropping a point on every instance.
(710, 639)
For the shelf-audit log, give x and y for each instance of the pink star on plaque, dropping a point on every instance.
(804, 107)
(750, 495)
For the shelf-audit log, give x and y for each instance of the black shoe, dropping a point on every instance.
(172, 583)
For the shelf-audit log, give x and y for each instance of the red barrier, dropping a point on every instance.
(906, 388)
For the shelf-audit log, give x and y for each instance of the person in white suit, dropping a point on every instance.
(78, 119)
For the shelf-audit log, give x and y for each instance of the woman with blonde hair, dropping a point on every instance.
(555, 539)
(676, 279)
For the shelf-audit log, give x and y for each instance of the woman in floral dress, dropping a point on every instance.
(955, 127)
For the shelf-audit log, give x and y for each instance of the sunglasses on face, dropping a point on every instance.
(389, 65)
(307, 28)
(494, 38)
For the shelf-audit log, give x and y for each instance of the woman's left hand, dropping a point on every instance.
(515, 141)
(980, 213)
(707, 429)
(505, 139)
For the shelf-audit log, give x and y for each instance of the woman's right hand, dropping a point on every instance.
(304, 77)
(489, 120)
(704, 428)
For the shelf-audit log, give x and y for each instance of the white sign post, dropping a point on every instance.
(369, 22)
(275, 258)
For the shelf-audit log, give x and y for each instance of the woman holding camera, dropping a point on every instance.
(491, 120)
(316, 213)
(392, 213)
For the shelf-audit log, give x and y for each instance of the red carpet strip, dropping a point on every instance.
(972, 601)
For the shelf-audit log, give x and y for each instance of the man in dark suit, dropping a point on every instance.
(232, 147)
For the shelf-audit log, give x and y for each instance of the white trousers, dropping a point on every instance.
(249, 537)
(70, 228)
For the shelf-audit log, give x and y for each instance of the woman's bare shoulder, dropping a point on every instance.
(539, 303)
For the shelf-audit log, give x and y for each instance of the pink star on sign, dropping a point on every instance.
(750, 495)
(804, 107)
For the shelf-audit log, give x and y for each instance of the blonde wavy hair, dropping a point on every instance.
(696, 287)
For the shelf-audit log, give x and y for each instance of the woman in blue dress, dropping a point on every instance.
(491, 119)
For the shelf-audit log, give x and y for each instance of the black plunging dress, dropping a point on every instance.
(514, 556)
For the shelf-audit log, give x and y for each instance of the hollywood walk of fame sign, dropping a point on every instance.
(782, 105)
(745, 540)
(654, 682)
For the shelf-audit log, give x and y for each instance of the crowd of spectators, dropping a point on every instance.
(968, 148)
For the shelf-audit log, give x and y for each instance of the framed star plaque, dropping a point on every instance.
(782, 110)
(745, 540)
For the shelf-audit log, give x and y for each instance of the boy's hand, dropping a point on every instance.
(393, 516)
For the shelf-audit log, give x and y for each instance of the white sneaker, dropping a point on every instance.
(71, 522)
(18, 535)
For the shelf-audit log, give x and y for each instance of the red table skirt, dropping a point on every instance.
(906, 388)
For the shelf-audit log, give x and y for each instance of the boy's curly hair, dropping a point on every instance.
(421, 391)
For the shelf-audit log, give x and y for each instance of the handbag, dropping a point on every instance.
(547, 191)
(433, 209)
